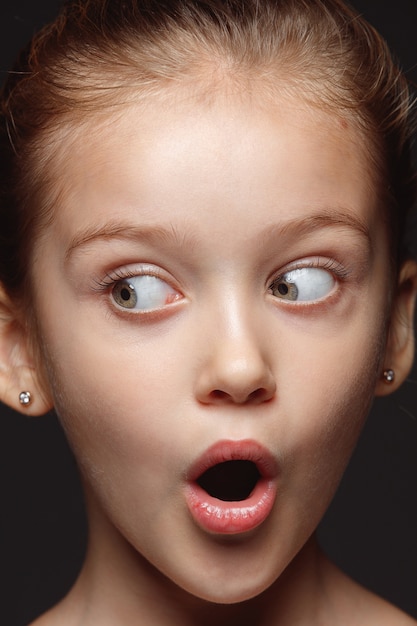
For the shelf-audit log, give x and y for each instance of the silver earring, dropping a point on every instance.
(388, 376)
(25, 398)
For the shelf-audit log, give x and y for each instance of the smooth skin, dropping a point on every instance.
(217, 205)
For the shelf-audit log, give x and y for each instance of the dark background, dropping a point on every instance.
(371, 527)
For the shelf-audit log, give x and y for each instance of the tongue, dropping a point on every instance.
(231, 481)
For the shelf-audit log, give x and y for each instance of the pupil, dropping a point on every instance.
(125, 294)
(283, 289)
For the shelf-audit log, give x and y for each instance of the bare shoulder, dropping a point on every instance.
(51, 618)
(41, 621)
(63, 614)
(357, 606)
(379, 612)
(382, 613)
(47, 619)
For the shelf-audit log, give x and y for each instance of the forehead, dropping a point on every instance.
(229, 152)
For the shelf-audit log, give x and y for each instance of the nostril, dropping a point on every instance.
(259, 395)
(254, 397)
(218, 394)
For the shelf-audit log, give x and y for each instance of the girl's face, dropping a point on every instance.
(213, 289)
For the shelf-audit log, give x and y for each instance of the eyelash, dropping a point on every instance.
(331, 265)
(111, 278)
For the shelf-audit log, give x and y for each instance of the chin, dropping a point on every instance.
(234, 596)
(232, 589)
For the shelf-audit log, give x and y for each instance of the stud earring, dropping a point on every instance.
(388, 376)
(25, 398)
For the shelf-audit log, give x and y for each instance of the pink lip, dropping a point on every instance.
(223, 517)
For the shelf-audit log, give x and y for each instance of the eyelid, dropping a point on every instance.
(124, 273)
(340, 271)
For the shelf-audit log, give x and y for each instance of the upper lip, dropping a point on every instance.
(235, 450)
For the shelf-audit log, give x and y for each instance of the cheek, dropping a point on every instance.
(315, 450)
(117, 414)
(118, 440)
(108, 417)
(329, 388)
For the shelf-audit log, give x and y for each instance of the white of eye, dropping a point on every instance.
(305, 284)
(143, 293)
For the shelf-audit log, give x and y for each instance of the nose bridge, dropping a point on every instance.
(236, 366)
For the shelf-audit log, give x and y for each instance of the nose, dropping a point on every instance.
(235, 368)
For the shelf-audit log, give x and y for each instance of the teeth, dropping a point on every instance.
(231, 481)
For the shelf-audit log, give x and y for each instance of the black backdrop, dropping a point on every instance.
(371, 527)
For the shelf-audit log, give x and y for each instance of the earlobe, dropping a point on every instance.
(399, 352)
(17, 368)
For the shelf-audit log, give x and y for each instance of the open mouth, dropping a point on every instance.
(231, 487)
(230, 481)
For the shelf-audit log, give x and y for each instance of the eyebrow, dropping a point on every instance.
(157, 235)
(330, 218)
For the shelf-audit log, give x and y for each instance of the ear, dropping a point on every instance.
(18, 371)
(399, 351)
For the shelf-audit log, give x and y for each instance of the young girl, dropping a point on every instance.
(202, 213)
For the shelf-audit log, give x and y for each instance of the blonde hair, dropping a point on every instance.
(103, 53)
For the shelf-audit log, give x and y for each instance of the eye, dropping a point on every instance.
(143, 293)
(305, 284)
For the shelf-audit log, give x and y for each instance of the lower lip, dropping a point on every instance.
(227, 518)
